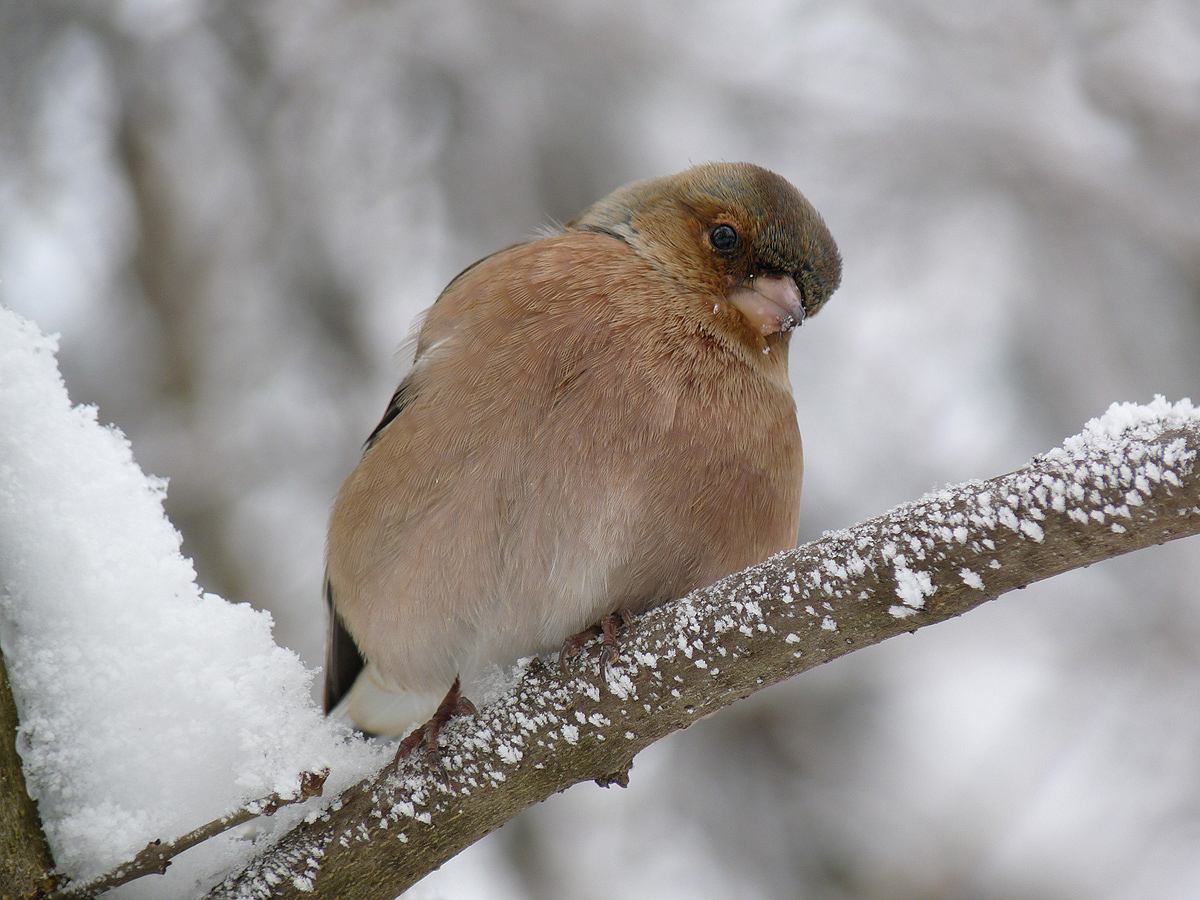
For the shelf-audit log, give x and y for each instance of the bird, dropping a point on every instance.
(595, 422)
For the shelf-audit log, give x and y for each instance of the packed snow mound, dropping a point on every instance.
(147, 707)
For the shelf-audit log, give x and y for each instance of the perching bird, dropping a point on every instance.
(595, 422)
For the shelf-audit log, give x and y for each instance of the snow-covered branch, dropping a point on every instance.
(1128, 481)
(157, 856)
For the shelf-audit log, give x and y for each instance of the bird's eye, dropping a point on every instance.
(722, 237)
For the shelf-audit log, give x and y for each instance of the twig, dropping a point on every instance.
(156, 856)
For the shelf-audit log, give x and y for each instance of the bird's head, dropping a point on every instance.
(734, 230)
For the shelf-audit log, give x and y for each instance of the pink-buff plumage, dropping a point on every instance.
(595, 421)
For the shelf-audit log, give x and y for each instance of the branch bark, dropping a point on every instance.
(25, 864)
(1129, 481)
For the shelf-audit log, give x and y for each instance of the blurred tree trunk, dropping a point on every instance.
(25, 862)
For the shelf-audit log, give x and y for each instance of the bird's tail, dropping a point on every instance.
(375, 708)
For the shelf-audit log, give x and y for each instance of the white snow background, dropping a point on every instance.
(233, 212)
(147, 708)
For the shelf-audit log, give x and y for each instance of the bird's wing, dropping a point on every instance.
(399, 401)
(343, 662)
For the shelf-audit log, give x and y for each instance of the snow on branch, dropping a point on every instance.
(158, 855)
(146, 705)
(1128, 481)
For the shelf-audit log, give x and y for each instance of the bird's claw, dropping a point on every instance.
(610, 646)
(572, 645)
(452, 706)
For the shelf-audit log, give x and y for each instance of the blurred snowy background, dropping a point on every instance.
(232, 212)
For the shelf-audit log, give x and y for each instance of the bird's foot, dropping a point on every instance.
(453, 705)
(609, 648)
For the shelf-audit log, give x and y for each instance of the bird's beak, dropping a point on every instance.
(770, 303)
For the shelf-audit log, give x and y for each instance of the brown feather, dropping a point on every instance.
(589, 425)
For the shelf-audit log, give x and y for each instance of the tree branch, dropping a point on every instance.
(26, 869)
(1129, 481)
(155, 858)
